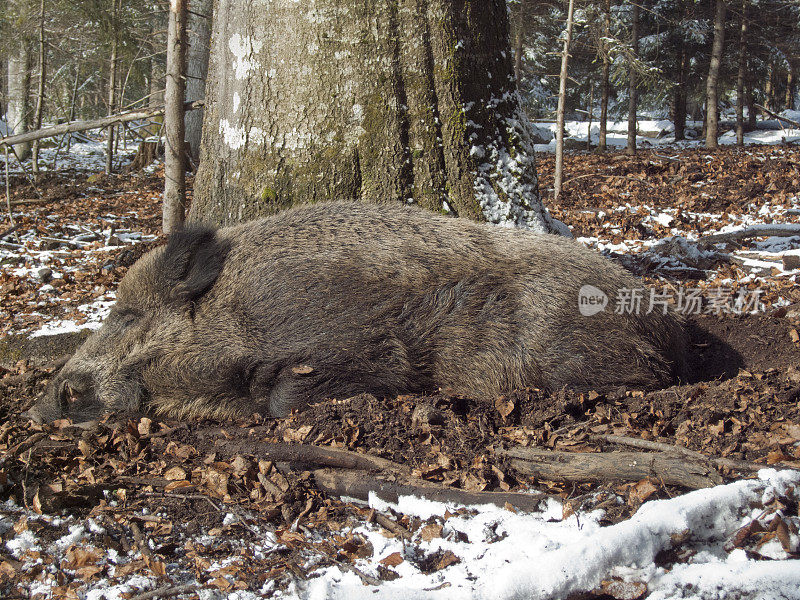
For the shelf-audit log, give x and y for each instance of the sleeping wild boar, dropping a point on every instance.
(336, 299)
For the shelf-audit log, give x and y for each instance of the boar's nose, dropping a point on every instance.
(34, 415)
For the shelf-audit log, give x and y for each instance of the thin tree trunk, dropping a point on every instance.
(37, 118)
(712, 83)
(199, 38)
(17, 112)
(768, 86)
(73, 102)
(518, 57)
(633, 94)
(175, 149)
(562, 100)
(751, 103)
(679, 94)
(740, 77)
(112, 88)
(790, 89)
(589, 115)
(606, 88)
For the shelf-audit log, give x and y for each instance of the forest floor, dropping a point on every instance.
(193, 508)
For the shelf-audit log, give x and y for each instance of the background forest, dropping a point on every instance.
(100, 57)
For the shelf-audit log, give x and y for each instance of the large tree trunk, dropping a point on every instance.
(633, 92)
(562, 100)
(605, 86)
(18, 109)
(174, 210)
(740, 76)
(712, 105)
(199, 38)
(408, 101)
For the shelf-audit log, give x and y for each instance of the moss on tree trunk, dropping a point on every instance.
(384, 101)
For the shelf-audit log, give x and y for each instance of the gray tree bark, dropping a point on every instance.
(740, 76)
(712, 105)
(605, 84)
(633, 91)
(562, 100)
(18, 108)
(112, 86)
(409, 101)
(173, 210)
(199, 39)
(37, 117)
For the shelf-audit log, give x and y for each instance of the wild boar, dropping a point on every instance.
(331, 300)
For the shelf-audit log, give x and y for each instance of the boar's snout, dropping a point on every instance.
(70, 394)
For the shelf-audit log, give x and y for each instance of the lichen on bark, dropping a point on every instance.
(381, 100)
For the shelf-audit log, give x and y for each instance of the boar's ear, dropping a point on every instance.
(192, 262)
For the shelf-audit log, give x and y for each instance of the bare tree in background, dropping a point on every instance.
(174, 206)
(18, 66)
(740, 76)
(633, 93)
(199, 38)
(112, 83)
(712, 83)
(37, 117)
(605, 88)
(562, 98)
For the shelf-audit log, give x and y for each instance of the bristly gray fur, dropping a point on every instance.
(335, 299)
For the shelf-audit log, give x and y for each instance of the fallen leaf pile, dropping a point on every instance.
(147, 503)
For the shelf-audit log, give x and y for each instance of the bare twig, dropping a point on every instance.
(168, 591)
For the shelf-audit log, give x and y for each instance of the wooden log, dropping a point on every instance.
(777, 116)
(355, 484)
(308, 456)
(87, 125)
(751, 231)
(624, 466)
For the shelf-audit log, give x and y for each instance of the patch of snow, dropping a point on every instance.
(543, 556)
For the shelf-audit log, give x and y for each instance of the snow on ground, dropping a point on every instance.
(660, 132)
(485, 552)
(490, 552)
(85, 154)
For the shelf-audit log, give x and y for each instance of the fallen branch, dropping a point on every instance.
(728, 463)
(625, 466)
(751, 231)
(308, 456)
(96, 124)
(389, 488)
(777, 116)
(168, 591)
